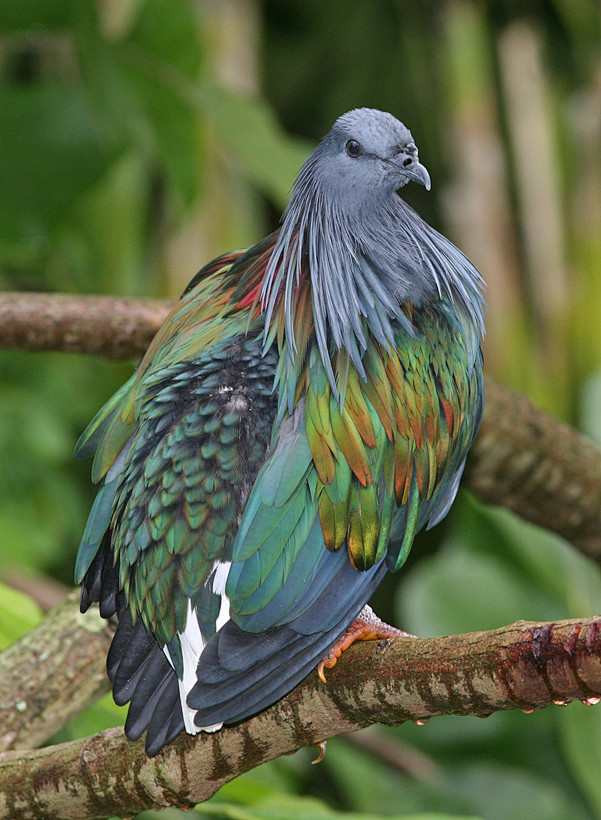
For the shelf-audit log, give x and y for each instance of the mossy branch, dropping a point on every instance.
(52, 674)
(525, 666)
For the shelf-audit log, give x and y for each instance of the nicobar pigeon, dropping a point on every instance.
(305, 409)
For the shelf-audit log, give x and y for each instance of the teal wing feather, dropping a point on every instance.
(105, 438)
(276, 546)
(98, 523)
(89, 441)
(365, 475)
(283, 580)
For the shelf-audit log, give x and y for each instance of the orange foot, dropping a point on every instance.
(366, 627)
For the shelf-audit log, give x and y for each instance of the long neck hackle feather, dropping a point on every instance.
(364, 259)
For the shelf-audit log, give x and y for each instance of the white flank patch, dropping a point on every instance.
(224, 613)
(193, 644)
(218, 577)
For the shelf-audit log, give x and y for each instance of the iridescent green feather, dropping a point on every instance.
(171, 513)
(278, 517)
(387, 456)
(186, 506)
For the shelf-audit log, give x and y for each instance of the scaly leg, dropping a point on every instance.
(366, 627)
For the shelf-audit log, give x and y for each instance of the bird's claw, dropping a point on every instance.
(366, 627)
(322, 752)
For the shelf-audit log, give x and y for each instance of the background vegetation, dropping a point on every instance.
(139, 138)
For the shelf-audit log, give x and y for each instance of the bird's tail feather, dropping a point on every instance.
(276, 659)
(143, 677)
(137, 667)
(239, 672)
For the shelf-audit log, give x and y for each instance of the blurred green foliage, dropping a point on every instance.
(139, 138)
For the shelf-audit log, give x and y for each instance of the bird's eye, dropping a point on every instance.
(353, 149)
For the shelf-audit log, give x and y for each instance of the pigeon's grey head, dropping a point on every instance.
(366, 154)
(364, 250)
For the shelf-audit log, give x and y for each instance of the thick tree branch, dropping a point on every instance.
(51, 674)
(526, 666)
(523, 458)
(119, 328)
(540, 468)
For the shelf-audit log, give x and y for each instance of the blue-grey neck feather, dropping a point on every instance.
(367, 255)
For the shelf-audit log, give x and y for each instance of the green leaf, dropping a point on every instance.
(276, 777)
(51, 150)
(23, 537)
(289, 807)
(18, 614)
(139, 82)
(104, 714)
(163, 52)
(226, 811)
(460, 590)
(248, 128)
(108, 232)
(544, 559)
(169, 32)
(18, 15)
(580, 728)
(519, 794)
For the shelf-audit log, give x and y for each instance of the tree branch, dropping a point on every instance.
(51, 674)
(540, 468)
(525, 665)
(523, 458)
(119, 328)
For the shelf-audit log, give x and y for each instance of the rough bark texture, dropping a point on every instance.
(540, 468)
(108, 326)
(526, 666)
(51, 674)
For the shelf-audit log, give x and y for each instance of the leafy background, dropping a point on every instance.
(139, 138)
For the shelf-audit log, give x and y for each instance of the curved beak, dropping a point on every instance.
(418, 173)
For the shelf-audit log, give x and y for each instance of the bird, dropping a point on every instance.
(305, 409)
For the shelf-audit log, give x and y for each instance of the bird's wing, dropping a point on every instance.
(291, 598)
(210, 309)
(382, 464)
(364, 476)
(202, 430)
(280, 564)
(343, 489)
